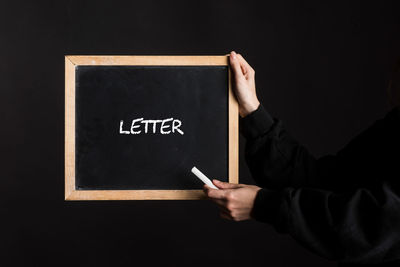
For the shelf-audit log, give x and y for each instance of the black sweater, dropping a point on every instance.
(344, 207)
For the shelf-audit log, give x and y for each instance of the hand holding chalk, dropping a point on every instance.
(203, 178)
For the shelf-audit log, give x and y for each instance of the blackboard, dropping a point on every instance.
(136, 125)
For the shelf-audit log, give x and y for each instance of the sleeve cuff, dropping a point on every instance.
(256, 123)
(273, 207)
(266, 205)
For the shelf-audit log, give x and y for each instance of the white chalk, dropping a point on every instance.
(203, 178)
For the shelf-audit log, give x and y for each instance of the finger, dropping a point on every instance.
(225, 216)
(235, 64)
(205, 189)
(221, 204)
(247, 69)
(244, 63)
(223, 210)
(224, 185)
(215, 193)
(244, 70)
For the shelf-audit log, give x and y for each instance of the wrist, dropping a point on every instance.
(256, 123)
(248, 108)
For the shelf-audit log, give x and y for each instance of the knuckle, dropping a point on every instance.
(230, 207)
(234, 216)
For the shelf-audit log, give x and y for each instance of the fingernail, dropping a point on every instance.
(233, 54)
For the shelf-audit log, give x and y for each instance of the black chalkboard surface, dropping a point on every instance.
(141, 128)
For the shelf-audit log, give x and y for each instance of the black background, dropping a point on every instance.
(105, 95)
(321, 66)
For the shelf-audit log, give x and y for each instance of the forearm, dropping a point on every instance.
(275, 159)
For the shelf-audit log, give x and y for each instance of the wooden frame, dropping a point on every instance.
(72, 61)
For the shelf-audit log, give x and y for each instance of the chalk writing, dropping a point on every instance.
(142, 126)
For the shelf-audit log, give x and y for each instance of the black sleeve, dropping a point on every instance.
(361, 226)
(344, 207)
(275, 159)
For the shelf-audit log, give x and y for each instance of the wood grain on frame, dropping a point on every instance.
(149, 60)
(72, 61)
(69, 141)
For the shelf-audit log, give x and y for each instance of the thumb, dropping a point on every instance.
(223, 185)
(235, 65)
